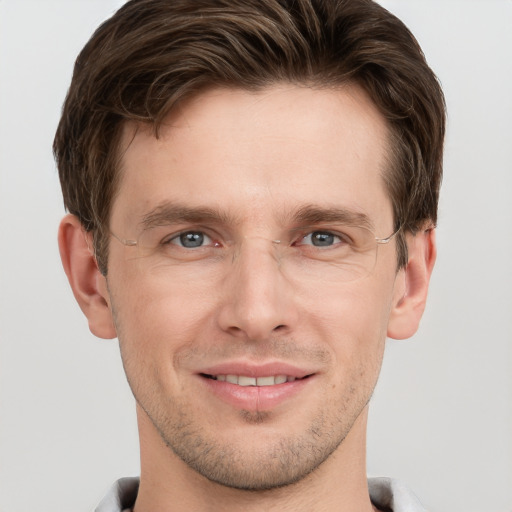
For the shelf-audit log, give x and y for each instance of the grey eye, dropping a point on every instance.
(320, 239)
(191, 239)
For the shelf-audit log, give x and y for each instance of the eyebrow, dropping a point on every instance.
(309, 214)
(313, 214)
(171, 213)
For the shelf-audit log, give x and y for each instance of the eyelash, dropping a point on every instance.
(170, 239)
(340, 238)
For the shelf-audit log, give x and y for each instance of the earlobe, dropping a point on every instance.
(412, 285)
(88, 284)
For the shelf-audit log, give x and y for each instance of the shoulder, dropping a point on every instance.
(393, 495)
(121, 496)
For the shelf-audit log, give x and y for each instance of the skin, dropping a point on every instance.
(256, 158)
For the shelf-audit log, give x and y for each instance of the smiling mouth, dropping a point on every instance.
(243, 380)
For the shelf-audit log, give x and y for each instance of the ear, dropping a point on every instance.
(88, 284)
(411, 285)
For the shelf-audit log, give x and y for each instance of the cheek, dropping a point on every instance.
(352, 320)
(158, 299)
(154, 320)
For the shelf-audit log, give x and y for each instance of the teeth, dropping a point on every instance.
(243, 380)
(266, 381)
(246, 381)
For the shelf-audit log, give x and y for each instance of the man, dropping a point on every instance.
(252, 188)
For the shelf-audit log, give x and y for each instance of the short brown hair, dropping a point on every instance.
(154, 53)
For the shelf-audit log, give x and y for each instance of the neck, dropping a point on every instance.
(167, 483)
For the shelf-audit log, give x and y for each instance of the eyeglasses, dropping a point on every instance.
(337, 254)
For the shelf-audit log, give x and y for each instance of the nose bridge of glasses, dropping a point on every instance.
(255, 245)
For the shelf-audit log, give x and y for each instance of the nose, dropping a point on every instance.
(257, 298)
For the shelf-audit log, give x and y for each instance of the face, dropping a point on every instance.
(244, 341)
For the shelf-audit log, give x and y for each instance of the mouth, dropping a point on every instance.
(263, 381)
(258, 387)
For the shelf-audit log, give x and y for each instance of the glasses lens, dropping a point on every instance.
(344, 254)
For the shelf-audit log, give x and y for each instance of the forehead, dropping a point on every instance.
(254, 153)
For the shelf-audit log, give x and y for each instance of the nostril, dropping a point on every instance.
(279, 328)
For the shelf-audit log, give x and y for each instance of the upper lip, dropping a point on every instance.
(256, 369)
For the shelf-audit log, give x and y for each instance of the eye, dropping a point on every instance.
(191, 240)
(321, 239)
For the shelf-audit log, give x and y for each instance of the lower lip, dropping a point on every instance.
(255, 398)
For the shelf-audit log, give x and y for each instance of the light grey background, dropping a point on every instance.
(441, 417)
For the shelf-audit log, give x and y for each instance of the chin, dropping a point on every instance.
(255, 458)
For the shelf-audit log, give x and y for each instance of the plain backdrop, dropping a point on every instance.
(441, 417)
